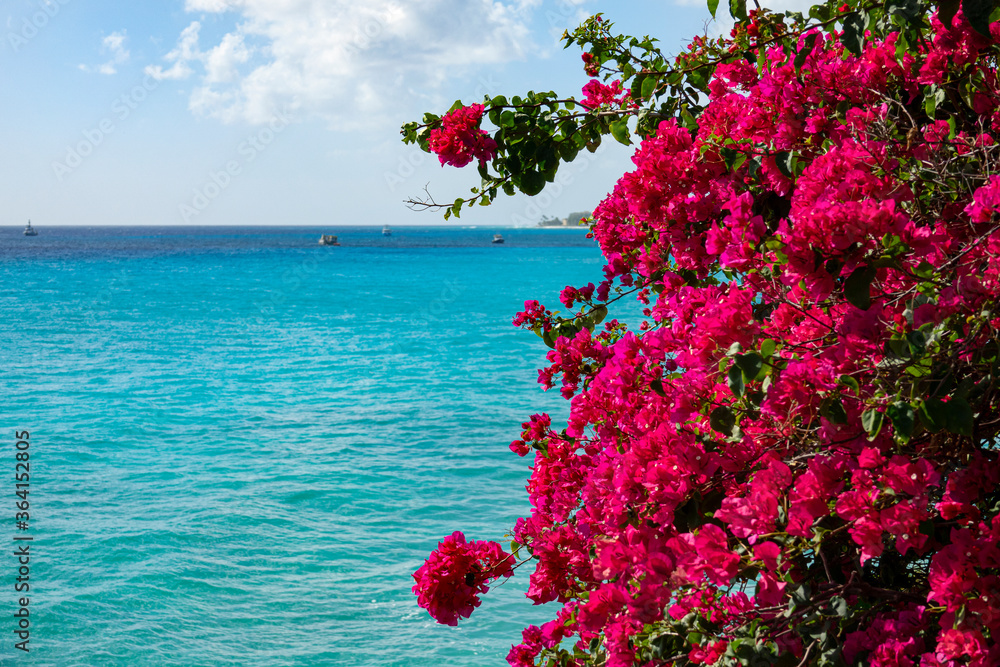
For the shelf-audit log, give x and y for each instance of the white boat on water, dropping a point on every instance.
(386, 231)
(29, 230)
(328, 239)
(497, 238)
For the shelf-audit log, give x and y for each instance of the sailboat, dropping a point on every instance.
(29, 230)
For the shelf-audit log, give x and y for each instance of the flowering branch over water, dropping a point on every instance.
(794, 459)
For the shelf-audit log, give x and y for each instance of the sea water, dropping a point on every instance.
(243, 443)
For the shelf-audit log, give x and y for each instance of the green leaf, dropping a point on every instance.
(532, 183)
(908, 10)
(933, 414)
(699, 78)
(619, 130)
(917, 342)
(750, 363)
(857, 287)
(897, 348)
(819, 12)
(736, 380)
(853, 36)
(599, 313)
(657, 387)
(978, 12)
(848, 381)
(902, 46)
(947, 10)
(712, 6)
(767, 347)
(738, 9)
(567, 329)
(839, 606)
(801, 595)
(728, 155)
(636, 89)
(924, 270)
(648, 86)
(549, 338)
(833, 410)
(786, 163)
(932, 99)
(734, 349)
(903, 417)
(960, 418)
(871, 421)
(807, 47)
(722, 420)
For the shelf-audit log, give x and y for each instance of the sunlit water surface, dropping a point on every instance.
(244, 443)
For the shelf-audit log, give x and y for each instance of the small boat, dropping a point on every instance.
(328, 239)
(497, 238)
(29, 230)
(386, 231)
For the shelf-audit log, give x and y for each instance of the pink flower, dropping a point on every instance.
(571, 295)
(756, 512)
(955, 644)
(952, 573)
(459, 140)
(523, 655)
(456, 573)
(706, 554)
(985, 201)
(598, 94)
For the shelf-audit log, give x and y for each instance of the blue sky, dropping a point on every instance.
(216, 112)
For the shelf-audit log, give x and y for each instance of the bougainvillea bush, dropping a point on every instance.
(794, 459)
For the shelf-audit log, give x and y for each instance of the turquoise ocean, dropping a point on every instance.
(242, 443)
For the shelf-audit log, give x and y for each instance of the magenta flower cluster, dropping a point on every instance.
(456, 574)
(460, 140)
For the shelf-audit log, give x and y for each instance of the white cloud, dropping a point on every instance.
(222, 62)
(340, 59)
(115, 45)
(185, 52)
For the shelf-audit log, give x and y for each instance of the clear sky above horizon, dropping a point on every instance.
(214, 112)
